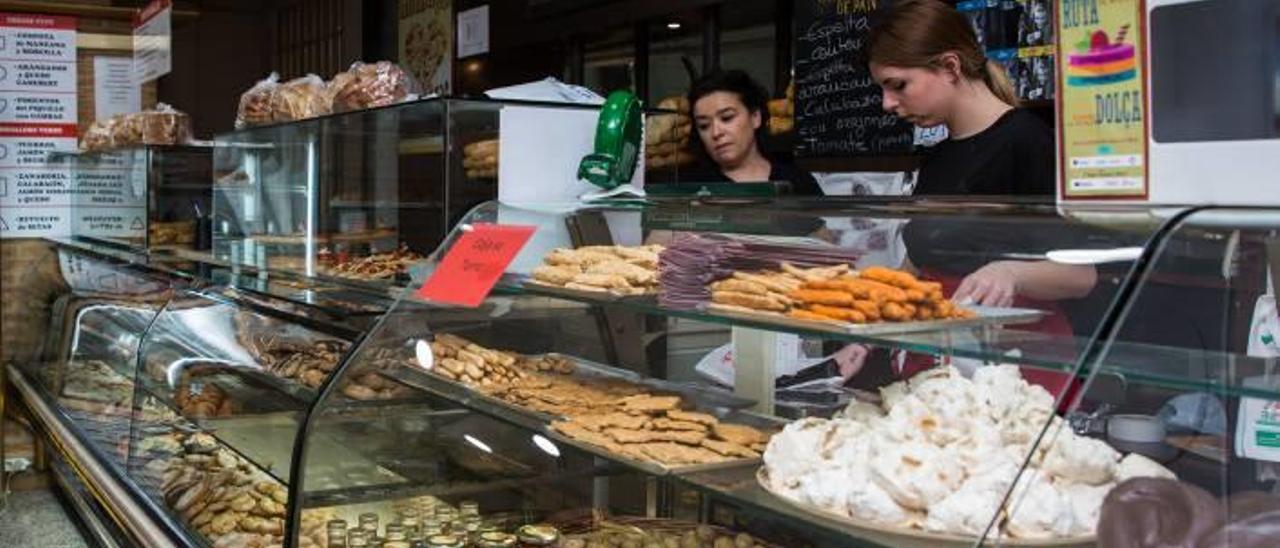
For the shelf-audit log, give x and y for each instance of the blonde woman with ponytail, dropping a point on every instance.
(927, 60)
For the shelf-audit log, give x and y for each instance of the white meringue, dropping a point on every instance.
(1086, 505)
(1134, 465)
(1081, 459)
(915, 474)
(1037, 509)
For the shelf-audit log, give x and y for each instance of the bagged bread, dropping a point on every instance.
(98, 135)
(299, 99)
(255, 104)
(164, 125)
(372, 85)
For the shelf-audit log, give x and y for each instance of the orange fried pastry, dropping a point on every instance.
(896, 278)
(894, 312)
(868, 308)
(842, 314)
(802, 314)
(820, 296)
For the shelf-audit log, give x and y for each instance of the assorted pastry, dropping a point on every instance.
(480, 159)
(836, 294)
(782, 112)
(940, 452)
(666, 136)
(459, 359)
(654, 428)
(218, 493)
(364, 85)
(608, 531)
(162, 125)
(202, 399)
(171, 233)
(620, 270)
(378, 266)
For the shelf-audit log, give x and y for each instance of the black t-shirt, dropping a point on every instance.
(1013, 157)
(802, 182)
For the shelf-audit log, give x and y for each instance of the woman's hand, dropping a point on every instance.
(998, 283)
(995, 284)
(851, 358)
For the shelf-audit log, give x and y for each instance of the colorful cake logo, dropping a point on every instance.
(1102, 61)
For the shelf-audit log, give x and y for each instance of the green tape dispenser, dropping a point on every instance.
(618, 137)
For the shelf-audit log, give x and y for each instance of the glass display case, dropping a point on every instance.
(154, 197)
(692, 372)
(360, 195)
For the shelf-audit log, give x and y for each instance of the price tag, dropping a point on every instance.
(474, 264)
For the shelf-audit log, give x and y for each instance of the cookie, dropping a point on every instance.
(741, 435)
(672, 424)
(691, 416)
(729, 449)
(647, 403)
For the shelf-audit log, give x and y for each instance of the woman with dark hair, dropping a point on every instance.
(731, 118)
(927, 60)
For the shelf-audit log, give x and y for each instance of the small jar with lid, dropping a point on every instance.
(445, 541)
(537, 535)
(337, 533)
(395, 544)
(357, 539)
(395, 534)
(469, 508)
(495, 539)
(411, 525)
(369, 524)
(471, 527)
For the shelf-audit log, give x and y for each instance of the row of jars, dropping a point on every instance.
(445, 527)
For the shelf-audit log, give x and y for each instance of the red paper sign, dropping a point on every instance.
(474, 263)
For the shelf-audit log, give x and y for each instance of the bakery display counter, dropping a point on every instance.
(360, 195)
(239, 408)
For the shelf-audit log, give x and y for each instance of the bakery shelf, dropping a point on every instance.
(359, 495)
(982, 343)
(384, 204)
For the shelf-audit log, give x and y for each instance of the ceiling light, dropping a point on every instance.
(546, 445)
(479, 444)
(674, 25)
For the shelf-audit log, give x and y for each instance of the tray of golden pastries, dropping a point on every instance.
(599, 272)
(908, 537)
(873, 301)
(553, 386)
(663, 434)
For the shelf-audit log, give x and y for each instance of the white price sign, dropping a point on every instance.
(152, 39)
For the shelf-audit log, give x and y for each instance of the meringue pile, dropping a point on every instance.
(940, 453)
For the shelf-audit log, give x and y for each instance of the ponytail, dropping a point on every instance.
(998, 81)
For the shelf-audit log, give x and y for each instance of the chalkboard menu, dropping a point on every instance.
(837, 105)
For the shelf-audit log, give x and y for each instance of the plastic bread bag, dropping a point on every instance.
(372, 85)
(127, 130)
(299, 99)
(98, 135)
(255, 104)
(165, 125)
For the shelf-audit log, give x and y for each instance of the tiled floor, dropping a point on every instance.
(37, 518)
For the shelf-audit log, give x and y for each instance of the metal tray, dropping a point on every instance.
(733, 417)
(891, 535)
(987, 317)
(699, 396)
